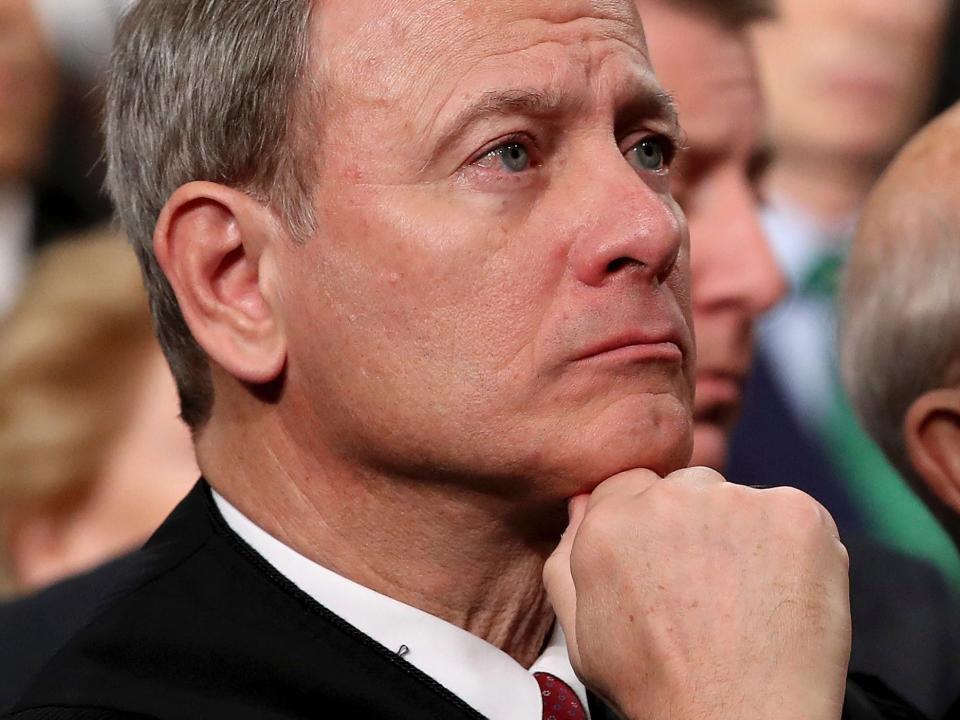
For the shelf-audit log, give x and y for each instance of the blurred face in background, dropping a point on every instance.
(29, 89)
(850, 78)
(144, 472)
(93, 454)
(709, 68)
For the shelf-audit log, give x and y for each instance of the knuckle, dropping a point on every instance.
(600, 537)
(708, 475)
(741, 495)
(598, 528)
(665, 499)
(804, 517)
(699, 475)
(639, 475)
(796, 507)
(623, 485)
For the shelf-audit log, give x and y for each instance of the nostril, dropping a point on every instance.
(621, 262)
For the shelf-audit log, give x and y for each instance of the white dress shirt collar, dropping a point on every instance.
(799, 240)
(799, 335)
(480, 674)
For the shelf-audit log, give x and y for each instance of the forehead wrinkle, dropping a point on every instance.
(645, 97)
(626, 29)
(621, 12)
(640, 96)
(375, 51)
(437, 44)
(526, 101)
(373, 60)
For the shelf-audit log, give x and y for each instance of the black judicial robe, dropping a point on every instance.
(197, 625)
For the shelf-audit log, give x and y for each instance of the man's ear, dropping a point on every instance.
(932, 435)
(217, 247)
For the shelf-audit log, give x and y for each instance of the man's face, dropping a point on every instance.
(709, 69)
(498, 290)
(850, 78)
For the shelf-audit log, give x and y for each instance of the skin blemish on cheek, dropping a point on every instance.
(353, 174)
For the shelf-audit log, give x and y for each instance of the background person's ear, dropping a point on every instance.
(932, 436)
(216, 246)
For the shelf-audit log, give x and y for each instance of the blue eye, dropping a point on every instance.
(652, 154)
(512, 156)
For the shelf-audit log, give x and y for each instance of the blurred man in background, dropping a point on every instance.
(847, 83)
(901, 318)
(703, 54)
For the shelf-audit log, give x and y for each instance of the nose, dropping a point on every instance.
(626, 226)
(733, 265)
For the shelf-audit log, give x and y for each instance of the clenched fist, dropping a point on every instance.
(688, 598)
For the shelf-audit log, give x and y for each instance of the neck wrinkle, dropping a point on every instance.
(447, 551)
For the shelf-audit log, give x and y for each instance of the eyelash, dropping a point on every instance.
(670, 146)
(519, 138)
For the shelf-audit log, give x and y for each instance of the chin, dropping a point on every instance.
(710, 446)
(619, 441)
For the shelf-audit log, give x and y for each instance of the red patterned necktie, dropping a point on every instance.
(560, 702)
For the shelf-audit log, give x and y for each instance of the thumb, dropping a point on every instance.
(558, 580)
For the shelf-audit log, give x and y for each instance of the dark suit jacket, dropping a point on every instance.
(197, 625)
(770, 446)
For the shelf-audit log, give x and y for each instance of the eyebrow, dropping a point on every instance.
(653, 103)
(697, 158)
(649, 101)
(501, 103)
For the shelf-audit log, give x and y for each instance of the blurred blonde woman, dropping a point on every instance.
(92, 453)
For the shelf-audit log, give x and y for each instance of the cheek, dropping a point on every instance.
(407, 280)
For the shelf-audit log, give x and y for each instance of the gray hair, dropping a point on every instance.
(205, 90)
(900, 319)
